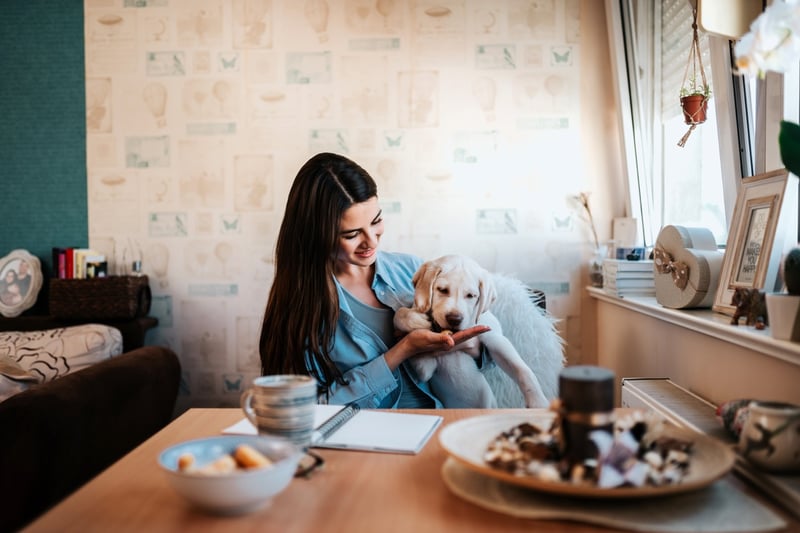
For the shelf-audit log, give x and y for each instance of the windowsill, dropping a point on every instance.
(709, 323)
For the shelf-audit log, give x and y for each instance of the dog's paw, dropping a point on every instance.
(407, 319)
(424, 366)
(534, 399)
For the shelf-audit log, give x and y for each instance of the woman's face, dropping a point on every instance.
(360, 232)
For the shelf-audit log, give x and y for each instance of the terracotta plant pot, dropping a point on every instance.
(694, 108)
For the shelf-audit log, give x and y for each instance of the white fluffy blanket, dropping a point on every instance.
(532, 331)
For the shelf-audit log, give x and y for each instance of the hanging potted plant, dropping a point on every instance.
(695, 90)
(694, 102)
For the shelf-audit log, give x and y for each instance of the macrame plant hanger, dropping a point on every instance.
(694, 108)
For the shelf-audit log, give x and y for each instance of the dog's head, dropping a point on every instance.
(454, 290)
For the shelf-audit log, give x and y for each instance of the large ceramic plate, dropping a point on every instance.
(467, 440)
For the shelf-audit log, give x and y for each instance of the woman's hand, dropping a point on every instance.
(424, 341)
(465, 335)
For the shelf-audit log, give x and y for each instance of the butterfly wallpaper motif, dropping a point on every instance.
(471, 115)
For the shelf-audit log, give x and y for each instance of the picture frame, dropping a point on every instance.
(20, 282)
(751, 257)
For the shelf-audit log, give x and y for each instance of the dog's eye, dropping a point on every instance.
(443, 290)
(470, 296)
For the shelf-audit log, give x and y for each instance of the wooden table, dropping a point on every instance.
(354, 492)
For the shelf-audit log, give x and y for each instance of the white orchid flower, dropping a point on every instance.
(773, 43)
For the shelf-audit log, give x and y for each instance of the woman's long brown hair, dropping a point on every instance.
(299, 323)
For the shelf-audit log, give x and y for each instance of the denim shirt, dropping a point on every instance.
(359, 352)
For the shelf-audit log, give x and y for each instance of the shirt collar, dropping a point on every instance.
(381, 273)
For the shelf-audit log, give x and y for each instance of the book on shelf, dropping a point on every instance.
(78, 263)
(81, 257)
(69, 266)
(59, 262)
(632, 283)
(631, 294)
(96, 267)
(341, 427)
(636, 291)
(623, 265)
(629, 274)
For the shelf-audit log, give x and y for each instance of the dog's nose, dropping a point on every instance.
(454, 319)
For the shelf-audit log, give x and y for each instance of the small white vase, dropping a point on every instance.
(783, 312)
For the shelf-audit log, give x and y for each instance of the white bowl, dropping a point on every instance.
(241, 491)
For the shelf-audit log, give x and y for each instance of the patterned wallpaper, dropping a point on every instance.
(199, 113)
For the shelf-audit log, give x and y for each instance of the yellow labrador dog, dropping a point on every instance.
(452, 293)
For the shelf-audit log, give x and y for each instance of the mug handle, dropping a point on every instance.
(244, 401)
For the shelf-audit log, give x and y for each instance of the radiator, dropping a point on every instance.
(684, 408)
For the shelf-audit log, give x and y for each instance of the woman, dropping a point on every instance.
(330, 311)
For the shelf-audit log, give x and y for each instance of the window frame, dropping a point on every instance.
(743, 151)
(638, 204)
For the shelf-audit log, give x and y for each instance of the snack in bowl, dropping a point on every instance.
(248, 457)
(230, 474)
(636, 455)
(244, 457)
(466, 442)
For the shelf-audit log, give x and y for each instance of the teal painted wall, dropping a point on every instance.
(42, 127)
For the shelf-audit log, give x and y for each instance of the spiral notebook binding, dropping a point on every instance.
(331, 425)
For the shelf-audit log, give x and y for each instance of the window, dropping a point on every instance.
(691, 189)
(693, 185)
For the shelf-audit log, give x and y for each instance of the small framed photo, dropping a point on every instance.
(751, 261)
(20, 282)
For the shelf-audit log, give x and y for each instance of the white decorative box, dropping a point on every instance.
(687, 266)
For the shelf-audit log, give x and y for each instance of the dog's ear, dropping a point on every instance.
(488, 292)
(423, 281)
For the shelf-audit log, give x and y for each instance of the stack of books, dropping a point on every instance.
(78, 263)
(628, 278)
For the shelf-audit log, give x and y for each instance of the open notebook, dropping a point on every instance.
(366, 430)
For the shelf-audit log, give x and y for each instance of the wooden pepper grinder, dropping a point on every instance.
(587, 404)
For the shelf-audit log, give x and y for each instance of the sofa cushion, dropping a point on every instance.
(13, 378)
(52, 353)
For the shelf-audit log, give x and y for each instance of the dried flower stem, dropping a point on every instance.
(583, 198)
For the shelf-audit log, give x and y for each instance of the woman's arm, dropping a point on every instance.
(369, 383)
